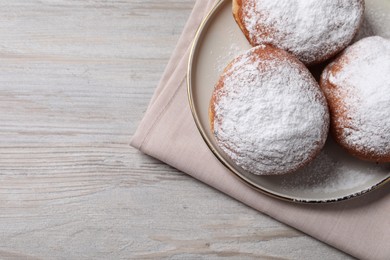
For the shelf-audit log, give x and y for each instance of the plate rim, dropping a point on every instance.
(251, 184)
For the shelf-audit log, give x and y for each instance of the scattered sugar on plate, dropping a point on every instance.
(333, 170)
(229, 53)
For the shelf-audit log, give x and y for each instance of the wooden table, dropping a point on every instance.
(76, 77)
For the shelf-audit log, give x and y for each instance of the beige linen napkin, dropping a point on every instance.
(360, 227)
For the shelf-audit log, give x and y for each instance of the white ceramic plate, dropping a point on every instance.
(334, 175)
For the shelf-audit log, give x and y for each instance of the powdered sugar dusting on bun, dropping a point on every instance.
(357, 86)
(313, 30)
(267, 112)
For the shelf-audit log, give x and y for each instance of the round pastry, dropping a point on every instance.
(313, 30)
(267, 112)
(357, 87)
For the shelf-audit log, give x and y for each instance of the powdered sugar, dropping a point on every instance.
(313, 30)
(270, 116)
(363, 82)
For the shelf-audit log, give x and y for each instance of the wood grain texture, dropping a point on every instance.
(75, 80)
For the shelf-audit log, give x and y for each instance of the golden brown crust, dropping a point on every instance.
(213, 101)
(238, 16)
(340, 118)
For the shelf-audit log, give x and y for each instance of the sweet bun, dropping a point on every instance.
(357, 87)
(267, 112)
(313, 30)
